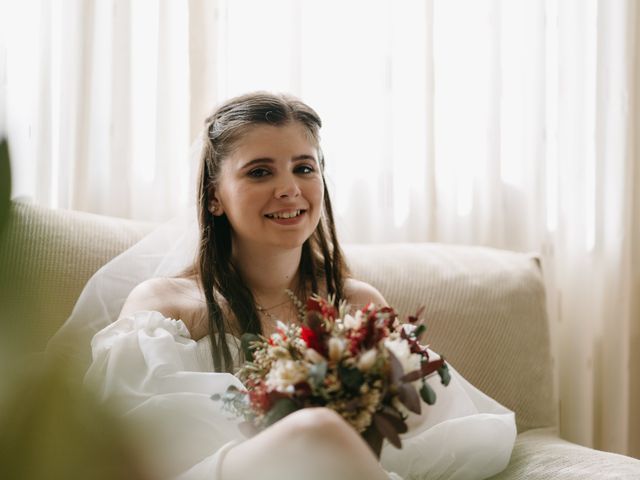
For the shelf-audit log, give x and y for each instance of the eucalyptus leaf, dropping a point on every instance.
(445, 375)
(427, 394)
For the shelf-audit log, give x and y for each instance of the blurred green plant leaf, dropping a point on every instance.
(5, 182)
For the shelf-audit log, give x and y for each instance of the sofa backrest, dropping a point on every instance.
(46, 257)
(485, 308)
(485, 312)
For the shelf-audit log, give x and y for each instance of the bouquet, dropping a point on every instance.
(368, 367)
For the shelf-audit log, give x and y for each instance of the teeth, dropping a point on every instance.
(295, 213)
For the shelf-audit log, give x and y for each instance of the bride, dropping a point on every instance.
(266, 238)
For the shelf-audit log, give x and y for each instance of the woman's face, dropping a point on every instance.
(272, 174)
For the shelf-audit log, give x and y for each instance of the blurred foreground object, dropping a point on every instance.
(49, 428)
(5, 183)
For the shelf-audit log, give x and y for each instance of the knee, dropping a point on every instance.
(322, 424)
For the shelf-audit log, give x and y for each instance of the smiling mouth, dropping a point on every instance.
(285, 215)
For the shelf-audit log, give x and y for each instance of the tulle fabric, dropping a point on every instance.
(149, 367)
(165, 252)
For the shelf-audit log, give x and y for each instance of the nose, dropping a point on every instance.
(287, 187)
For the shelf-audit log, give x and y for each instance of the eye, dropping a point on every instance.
(306, 169)
(258, 173)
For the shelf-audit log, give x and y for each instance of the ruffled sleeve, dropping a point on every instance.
(464, 435)
(149, 368)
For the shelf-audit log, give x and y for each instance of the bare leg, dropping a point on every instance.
(314, 443)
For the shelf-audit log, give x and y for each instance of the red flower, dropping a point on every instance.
(310, 337)
(323, 307)
(259, 397)
(313, 305)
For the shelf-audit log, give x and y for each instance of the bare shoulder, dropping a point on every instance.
(178, 298)
(359, 293)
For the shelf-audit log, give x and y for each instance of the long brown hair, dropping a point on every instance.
(321, 254)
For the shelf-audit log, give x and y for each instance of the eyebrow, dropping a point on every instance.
(297, 158)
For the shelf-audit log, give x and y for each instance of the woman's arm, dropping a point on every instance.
(173, 298)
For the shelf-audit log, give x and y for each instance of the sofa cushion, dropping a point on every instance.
(540, 455)
(485, 312)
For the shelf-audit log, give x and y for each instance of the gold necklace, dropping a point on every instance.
(293, 299)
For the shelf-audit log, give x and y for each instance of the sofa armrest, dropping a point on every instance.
(540, 454)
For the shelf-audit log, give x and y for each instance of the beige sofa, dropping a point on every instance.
(485, 312)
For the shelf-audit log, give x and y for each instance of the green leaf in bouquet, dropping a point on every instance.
(317, 373)
(409, 397)
(5, 183)
(387, 429)
(419, 331)
(445, 375)
(248, 344)
(280, 409)
(427, 394)
(231, 394)
(351, 378)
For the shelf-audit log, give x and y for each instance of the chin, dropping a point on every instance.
(290, 242)
(289, 245)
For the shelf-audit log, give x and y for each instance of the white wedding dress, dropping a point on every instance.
(162, 381)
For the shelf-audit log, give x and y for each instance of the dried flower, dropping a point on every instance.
(365, 366)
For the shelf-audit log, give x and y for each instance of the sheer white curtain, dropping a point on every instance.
(535, 128)
(102, 99)
(506, 123)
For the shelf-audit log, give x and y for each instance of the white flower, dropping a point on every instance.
(367, 359)
(409, 327)
(284, 374)
(336, 347)
(353, 322)
(400, 348)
